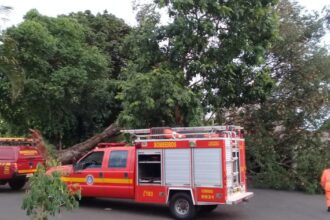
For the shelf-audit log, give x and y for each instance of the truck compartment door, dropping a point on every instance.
(178, 167)
(208, 167)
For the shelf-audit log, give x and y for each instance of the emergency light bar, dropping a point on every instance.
(28, 140)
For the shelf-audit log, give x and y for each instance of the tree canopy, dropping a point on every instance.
(69, 83)
(220, 46)
(255, 63)
(217, 49)
(286, 150)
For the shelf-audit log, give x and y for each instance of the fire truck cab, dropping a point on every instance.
(188, 169)
(18, 161)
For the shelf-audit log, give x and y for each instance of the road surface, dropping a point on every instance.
(266, 205)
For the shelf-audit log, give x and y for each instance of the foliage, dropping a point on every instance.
(106, 32)
(285, 149)
(216, 48)
(325, 126)
(47, 195)
(9, 66)
(70, 81)
(3, 127)
(157, 98)
(8, 63)
(311, 159)
(259, 61)
(222, 46)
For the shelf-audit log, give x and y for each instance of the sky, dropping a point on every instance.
(120, 8)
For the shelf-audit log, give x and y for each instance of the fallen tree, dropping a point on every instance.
(76, 151)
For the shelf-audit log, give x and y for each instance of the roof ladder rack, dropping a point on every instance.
(181, 132)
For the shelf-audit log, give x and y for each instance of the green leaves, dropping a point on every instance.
(9, 66)
(207, 38)
(157, 98)
(215, 49)
(284, 140)
(70, 65)
(48, 195)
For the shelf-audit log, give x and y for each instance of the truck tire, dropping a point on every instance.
(182, 207)
(3, 182)
(17, 183)
(207, 208)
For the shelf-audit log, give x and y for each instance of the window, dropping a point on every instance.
(93, 160)
(7, 154)
(118, 159)
(149, 168)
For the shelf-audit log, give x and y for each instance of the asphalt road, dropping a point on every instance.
(266, 205)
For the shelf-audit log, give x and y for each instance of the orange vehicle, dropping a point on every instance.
(18, 161)
(188, 169)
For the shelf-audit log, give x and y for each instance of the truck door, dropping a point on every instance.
(88, 174)
(119, 173)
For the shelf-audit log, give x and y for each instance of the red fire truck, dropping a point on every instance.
(188, 169)
(18, 160)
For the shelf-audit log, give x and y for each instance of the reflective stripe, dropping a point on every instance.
(6, 169)
(97, 180)
(27, 171)
(28, 152)
(5, 164)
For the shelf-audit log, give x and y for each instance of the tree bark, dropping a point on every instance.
(76, 151)
(39, 141)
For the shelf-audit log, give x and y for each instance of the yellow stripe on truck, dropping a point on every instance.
(5, 164)
(98, 180)
(28, 152)
(27, 171)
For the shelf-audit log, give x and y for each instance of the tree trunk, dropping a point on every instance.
(39, 141)
(75, 152)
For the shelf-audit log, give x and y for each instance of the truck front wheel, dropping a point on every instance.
(17, 183)
(182, 207)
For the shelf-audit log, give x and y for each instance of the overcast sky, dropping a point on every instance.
(120, 8)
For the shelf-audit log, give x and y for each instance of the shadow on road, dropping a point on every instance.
(128, 206)
(7, 190)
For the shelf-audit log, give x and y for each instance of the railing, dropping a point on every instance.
(205, 132)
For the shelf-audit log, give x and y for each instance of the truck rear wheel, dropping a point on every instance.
(17, 183)
(3, 182)
(182, 207)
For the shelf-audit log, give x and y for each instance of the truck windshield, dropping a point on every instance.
(93, 160)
